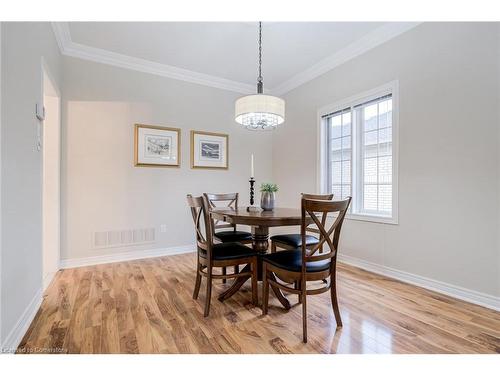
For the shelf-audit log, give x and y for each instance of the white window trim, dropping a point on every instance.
(322, 180)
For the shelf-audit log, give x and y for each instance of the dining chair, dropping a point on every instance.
(294, 240)
(224, 254)
(306, 264)
(228, 200)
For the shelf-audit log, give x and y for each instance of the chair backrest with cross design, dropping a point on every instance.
(202, 223)
(222, 200)
(323, 197)
(328, 236)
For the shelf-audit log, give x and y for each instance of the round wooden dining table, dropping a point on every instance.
(260, 221)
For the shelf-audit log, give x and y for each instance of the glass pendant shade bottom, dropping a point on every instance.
(259, 111)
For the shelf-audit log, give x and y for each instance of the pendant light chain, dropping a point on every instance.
(260, 85)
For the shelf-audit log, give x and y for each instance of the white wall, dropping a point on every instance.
(448, 152)
(23, 46)
(498, 109)
(51, 182)
(497, 41)
(1, 50)
(101, 188)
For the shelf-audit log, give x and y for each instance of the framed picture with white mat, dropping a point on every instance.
(157, 146)
(209, 150)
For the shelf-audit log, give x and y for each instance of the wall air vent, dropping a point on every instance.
(123, 238)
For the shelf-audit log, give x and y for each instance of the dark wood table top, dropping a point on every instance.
(275, 218)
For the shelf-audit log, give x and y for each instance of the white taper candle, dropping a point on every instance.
(251, 167)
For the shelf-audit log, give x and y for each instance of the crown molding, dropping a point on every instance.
(63, 36)
(360, 46)
(72, 49)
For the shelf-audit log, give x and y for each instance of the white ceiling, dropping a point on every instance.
(226, 52)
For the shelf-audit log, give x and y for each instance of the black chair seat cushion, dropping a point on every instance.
(294, 240)
(230, 250)
(291, 260)
(233, 236)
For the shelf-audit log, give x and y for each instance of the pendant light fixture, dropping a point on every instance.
(259, 111)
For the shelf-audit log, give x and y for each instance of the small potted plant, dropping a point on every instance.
(267, 197)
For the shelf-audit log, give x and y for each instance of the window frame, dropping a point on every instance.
(354, 213)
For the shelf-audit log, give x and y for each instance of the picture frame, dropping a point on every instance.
(157, 146)
(209, 150)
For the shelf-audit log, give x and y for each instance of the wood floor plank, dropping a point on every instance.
(146, 306)
(57, 336)
(110, 340)
(76, 329)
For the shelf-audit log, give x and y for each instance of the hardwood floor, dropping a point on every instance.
(145, 306)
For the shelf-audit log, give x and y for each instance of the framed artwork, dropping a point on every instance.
(209, 150)
(157, 146)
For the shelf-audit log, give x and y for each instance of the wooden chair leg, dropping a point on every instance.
(197, 283)
(298, 285)
(335, 305)
(236, 269)
(208, 295)
(224, 272)
(273, 247)
(265, 289)
(304, 312)
(255, 291)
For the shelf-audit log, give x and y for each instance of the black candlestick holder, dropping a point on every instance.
(252, 194)
(252, 182)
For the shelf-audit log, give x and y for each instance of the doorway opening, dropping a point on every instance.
(51, 178)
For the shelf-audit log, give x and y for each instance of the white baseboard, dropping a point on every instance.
(458, 292)
(129, 255)
(17, 333)
(48, 279)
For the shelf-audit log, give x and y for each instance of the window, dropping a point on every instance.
(358, 153)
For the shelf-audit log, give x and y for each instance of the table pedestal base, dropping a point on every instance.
(260, 237)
